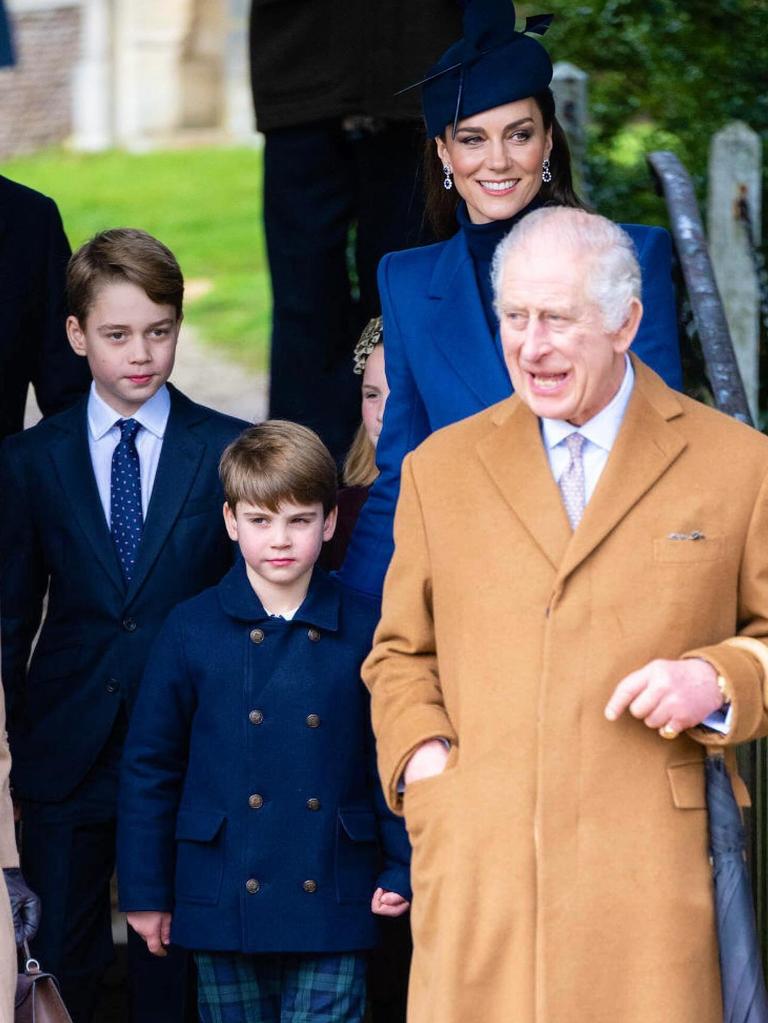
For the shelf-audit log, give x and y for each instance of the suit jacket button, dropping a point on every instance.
(112, 685)
(313, 720)
(314, 634)
(257, 635)
(255, 801)
(252, 886)
(130, 624)
(255, 717)
(313, 804)
(310, 886)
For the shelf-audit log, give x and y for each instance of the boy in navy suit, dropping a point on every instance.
(113, 509)
(250, 815)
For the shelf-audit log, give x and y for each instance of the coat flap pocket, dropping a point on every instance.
(688, 785)
(198, 825)
(48, 664)
(360, 825)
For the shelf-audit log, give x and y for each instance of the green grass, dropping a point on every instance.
(205, 204)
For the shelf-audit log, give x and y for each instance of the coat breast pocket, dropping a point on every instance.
(199, 856)
(689, 551)
(357, 854)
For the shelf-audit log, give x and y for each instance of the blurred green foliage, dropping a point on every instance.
(205, 204)
(663, 75)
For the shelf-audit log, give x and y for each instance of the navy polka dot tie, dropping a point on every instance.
(125, 497)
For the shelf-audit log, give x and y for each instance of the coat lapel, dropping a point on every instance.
(72, 458)
(514, 456)
(459, 327)
(645, 448)
(176, 470)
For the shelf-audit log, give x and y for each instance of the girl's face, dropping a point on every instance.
(496, 159)
(375, 393)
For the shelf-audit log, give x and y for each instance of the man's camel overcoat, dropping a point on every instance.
(560, 866)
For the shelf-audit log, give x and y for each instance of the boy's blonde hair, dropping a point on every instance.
(123, 254)
(275, 462)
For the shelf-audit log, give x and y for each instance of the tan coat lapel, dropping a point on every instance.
(645, 448)
(515, 458)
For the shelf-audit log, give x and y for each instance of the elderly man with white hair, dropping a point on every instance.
(577, 607)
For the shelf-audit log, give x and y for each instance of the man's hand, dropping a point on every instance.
(154, 928)
(673, 695)
(386, 903)
(428, 760)
(25, 906)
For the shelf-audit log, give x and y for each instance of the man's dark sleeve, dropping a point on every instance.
(58, 375)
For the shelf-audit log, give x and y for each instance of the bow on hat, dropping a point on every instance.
(490, 65)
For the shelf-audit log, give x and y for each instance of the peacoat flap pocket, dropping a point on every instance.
(198, 825)
(360, 825)
(687, 782)
(199, 856)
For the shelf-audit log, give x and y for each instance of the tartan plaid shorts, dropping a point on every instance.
(281, 988)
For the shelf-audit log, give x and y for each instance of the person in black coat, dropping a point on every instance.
(341, 181)
(113, 510)
(33, 342)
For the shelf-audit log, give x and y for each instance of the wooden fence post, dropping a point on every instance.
(569, 84)
(734, 177)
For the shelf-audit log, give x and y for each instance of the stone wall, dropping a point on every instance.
(36, 94)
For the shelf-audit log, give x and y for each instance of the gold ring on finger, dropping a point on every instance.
(667, 732)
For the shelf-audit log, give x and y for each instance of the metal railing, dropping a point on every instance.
(674, 183)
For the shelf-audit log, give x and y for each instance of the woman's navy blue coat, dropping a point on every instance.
(248, 805)
(443, 364)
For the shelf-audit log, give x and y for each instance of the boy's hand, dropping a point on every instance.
(388, 903)
(154, 928)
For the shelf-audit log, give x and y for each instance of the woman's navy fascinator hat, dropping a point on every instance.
(491, 65)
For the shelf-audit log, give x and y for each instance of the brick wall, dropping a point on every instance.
(36, 94)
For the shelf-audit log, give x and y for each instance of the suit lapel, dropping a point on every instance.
(514, 457)
(180, 457)
(459, 327)
(72, 459)
(645, 448)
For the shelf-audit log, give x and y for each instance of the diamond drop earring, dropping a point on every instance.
(447, 180)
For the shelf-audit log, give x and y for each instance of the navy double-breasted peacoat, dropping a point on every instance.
(444, 364)
(249, 805)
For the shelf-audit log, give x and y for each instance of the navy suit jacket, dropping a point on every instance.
(249, 803)
(443, 364)
(33, 343)
(97, 632)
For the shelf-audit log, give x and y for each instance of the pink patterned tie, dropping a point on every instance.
(571, 483)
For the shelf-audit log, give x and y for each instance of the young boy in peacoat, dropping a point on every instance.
(251, 824)
(113, 510)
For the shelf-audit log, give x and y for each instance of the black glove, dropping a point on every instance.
(25, 906)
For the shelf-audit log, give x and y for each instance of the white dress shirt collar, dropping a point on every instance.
(153, 414)
(602, 429)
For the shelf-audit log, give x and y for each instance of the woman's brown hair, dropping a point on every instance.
(441, 204)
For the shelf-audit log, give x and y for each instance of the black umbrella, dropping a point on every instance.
(744, 995)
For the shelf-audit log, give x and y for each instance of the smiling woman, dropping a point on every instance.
(495, 154)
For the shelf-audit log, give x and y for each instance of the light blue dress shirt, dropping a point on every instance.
(104, 434)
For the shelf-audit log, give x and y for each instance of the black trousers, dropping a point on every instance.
(335, 202)
(68, 858)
